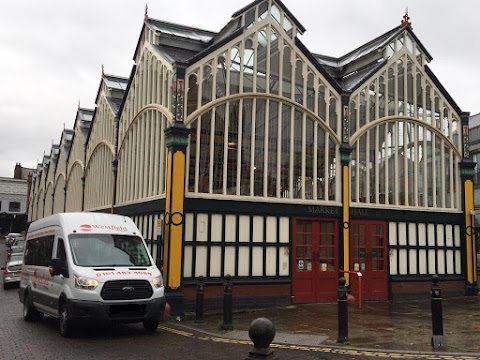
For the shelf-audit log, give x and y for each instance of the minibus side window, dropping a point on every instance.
(62, 255)
(39, 251)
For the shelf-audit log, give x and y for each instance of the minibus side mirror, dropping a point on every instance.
(56, 267)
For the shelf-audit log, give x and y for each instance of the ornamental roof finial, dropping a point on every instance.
(406, 20)
(145, 17)
(103, 71)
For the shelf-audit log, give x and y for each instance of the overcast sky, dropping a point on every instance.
(52, 51)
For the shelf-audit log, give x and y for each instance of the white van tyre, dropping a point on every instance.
(66, 324)
(29, 312)
(151, 324)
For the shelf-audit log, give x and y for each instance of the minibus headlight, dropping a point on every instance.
(157, 281)
(85, 283)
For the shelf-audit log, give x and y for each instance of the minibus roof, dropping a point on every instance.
(83, 223)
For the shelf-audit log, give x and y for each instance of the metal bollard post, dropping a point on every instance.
(227, 304)
(199, 301)
(438, 339)
(262, 333)
(342, 311)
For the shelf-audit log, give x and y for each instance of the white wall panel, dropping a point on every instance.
(431, 235)
(412, 235)
(449, 235)
(431, 262)
(284, 230)
(402, 261)
(187, 262)
(271, 262)
(216, 261)
(440, 235)
(458, 262)
(258, 229)
(413, 262)
(201, 262)
(229, 263)
(216, 228)
(423, 262)
(450, 265)
(402, 233)
(243, 261)
(271, 229)
(188, 227)
(457, 236)
(257, 268)
(422, 235)
(230, 228)
(393, 262)
(244, 230)
(202, 227)
(284, 261)
(392, 233)
(441, 261)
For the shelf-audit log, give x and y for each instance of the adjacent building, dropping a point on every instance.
(14, 200)
(243, 152)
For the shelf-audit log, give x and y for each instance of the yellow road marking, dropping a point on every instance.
(346, 351)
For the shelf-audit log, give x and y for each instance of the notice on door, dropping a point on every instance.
(300, 265)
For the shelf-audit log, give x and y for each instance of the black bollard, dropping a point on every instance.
(262, 333)
(199, 301)
(342, 311)
(438, 339)
(227, 304)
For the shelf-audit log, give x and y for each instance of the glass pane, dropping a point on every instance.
(276, 14)
(300, 239)
(300, 251)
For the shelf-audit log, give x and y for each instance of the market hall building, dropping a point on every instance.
(242, 152)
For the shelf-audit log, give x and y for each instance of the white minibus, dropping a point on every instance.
(90, 266)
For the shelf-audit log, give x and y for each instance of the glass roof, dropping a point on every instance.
(86, 116)
(189, 33)
(118, 84)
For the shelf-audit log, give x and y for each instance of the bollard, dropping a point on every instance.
(342, 312)
(199, 301)
(227, 304)
(438, 339)
(262, 333)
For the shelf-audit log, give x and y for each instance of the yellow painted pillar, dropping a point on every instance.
(467, 171)
(345, 151)
(176, 140)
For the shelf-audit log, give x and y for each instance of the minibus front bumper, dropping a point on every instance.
(116, 311)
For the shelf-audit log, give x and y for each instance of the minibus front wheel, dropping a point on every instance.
(66, 323)
(151, 324)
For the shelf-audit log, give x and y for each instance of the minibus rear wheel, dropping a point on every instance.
(29, 311)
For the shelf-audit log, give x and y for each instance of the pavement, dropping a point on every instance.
(393, 326)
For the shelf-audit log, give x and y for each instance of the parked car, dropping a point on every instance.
(12, 271)
(10, 238)
(17, 247)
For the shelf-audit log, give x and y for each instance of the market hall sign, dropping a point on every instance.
(330, 210)
(324, 210)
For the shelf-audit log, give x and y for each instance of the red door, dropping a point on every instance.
(369, 256)
(315, 260)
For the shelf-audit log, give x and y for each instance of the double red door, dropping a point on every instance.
(315, 260)
(368, 255)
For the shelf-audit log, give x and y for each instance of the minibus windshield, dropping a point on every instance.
(108, 250)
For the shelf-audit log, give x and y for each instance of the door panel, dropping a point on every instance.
(368, 255)
(315, 260)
